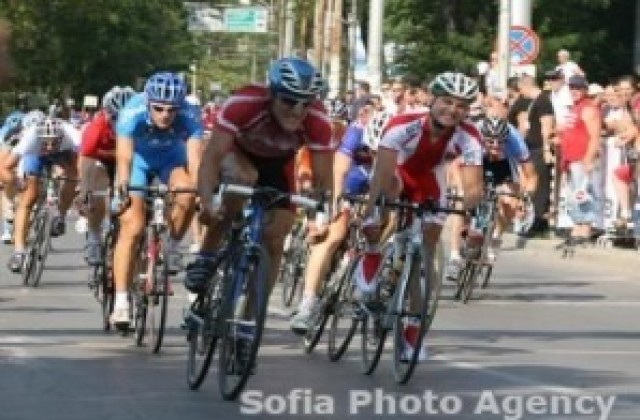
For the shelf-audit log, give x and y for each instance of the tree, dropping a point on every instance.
(440, 35)
(80, 46)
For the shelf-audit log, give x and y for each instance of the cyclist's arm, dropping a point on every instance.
(213, 154)
(194, 156)
(592, 122)
(341, 165)
(124, 157)
(8, 166)
(383, 178)
(530, 177)
(472, 184)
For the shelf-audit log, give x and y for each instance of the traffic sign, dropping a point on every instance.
(524, 45)
(245, 19)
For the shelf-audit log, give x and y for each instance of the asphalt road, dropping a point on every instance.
(550, 339)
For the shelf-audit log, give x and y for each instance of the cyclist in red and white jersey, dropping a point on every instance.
(411, 162)
(97, 163)
(254, 141)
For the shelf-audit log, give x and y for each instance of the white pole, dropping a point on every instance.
(521, 13)
(336, 49)
(374, 55)
(288, 29)
(353, 40)
(504, 56)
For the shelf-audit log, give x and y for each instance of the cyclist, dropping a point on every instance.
(506, 156)
(96, 165)
(351, 171)
(254, 141)
(410, 163)
(158, 134)
(51, 142)
(8, 138)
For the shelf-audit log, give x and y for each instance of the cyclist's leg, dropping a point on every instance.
(132, 223)
(66, 163)
(7, 197)
(95, 178)
(236, 168)
(456, 223)
(32, 167)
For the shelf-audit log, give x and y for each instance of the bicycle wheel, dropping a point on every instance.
(43, 239)
(158, 295)
(244, 313)
(414, 285)
(292, 271)
(470, 281)
(373, 330)
(435, 283)
(345, 315)
(488, 269)
(105, 278)
(31, 254)
(139, 299)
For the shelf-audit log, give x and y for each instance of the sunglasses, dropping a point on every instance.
(292, 103)
(494, 140)
(164, 109)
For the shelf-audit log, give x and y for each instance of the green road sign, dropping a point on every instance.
(246, 19)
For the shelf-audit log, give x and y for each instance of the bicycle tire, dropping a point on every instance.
(43, 239)
(31, 254)
(435, 284)
(139, 298)
(373, 331)
(106, 284)
(344, 310)
(291, 275)
(470, 282)
(403, 370)
(158, 296)
(487, 275)
(232, 378)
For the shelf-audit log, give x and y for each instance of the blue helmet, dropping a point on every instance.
(296, 78)
(166, 87)
(14, 120)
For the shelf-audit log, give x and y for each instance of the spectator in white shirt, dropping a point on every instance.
(569, 68)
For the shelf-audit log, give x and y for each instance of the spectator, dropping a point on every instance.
(362, 96)
(538, 138)
(579, 143)
(518, 115)
(566, 66)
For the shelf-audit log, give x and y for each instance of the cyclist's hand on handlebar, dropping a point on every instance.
(121, 199)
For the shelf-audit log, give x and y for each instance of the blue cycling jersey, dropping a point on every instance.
(352, 145)
(134, 122)
(515, 147)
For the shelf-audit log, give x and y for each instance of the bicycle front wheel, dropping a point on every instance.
(40, 247)
(345, 315)
(244, 312)
(410, 314)
(158, 293)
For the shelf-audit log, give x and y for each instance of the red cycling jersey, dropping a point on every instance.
(247, 117)
(99, 139)
(421, 158)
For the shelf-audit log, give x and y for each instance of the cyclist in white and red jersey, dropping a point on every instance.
(411, 160)
(97, 164)
(254, 141)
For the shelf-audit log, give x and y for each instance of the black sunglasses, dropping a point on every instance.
(160, 109)
(291, 103)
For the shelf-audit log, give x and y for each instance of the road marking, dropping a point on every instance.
(559, 302)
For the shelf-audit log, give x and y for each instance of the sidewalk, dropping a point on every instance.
(620, 259)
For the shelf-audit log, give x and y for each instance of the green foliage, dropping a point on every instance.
(438, 35)
(79, 46)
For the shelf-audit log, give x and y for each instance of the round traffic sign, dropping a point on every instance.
(524, 45)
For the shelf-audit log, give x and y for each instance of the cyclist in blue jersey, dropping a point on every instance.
(351, 171)
(8, 138)
(506, 158)
(158, 134)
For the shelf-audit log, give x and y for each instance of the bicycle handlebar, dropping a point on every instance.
(245, 191)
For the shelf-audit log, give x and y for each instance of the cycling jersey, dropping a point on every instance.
(421, 158)
(357, 179)
(157, 152)
(99, 137)
(504, 165)
(247, 117)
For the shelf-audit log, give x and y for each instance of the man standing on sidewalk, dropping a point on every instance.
(579, 144)
(538, 138)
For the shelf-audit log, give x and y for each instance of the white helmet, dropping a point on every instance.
(49, 128)
(32, 118)
(373, 130)
(115, 98)
(456, 85)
